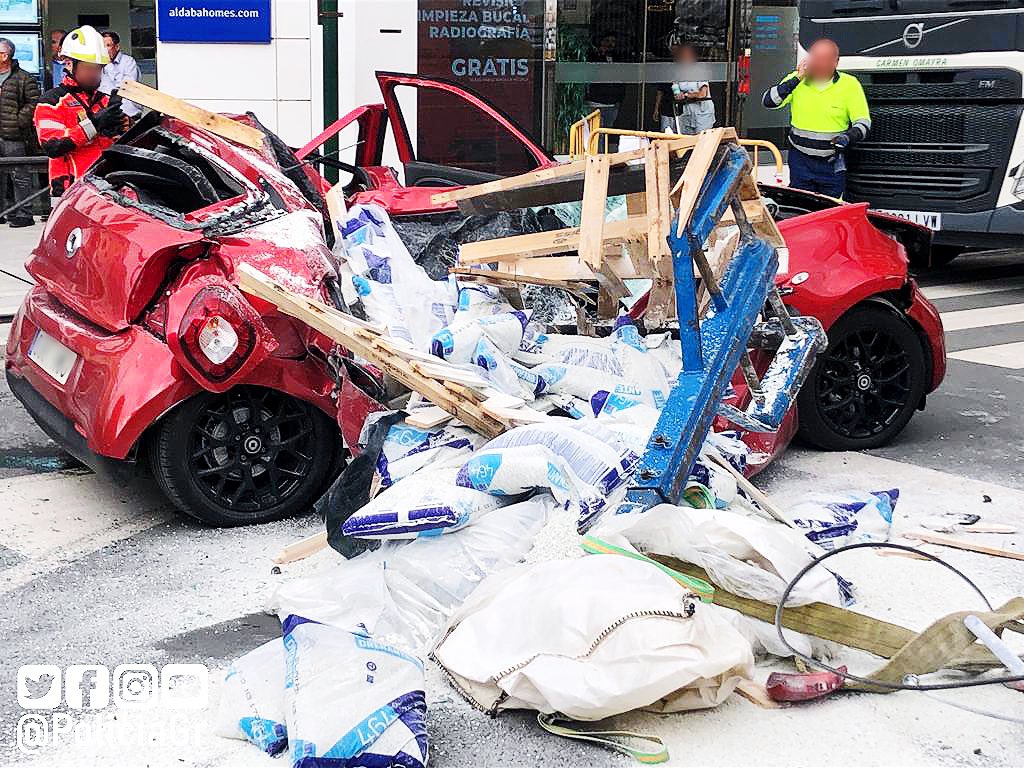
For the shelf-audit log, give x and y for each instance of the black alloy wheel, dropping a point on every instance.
(865, 387)
(249, 455)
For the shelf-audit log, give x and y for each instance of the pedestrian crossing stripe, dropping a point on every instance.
(974, 288)
(982, 317)
(1001, 355)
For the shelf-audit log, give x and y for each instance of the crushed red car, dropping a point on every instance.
(136, 349)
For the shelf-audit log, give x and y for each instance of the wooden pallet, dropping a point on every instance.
(608, 252)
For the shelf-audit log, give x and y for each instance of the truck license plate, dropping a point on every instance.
(52, 356)
(924, 218)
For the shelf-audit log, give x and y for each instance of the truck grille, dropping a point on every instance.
(929, 152)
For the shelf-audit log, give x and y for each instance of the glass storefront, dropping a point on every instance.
(549, 62)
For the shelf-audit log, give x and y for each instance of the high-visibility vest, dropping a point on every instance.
(818, 115)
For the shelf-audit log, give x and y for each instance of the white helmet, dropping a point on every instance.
(85, 44)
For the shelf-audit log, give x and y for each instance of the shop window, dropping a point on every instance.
(450, 131)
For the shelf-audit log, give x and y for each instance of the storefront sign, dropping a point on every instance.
(19, 12)
(492, 46)
(213, 21)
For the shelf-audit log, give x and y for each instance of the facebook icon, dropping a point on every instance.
(87, 686)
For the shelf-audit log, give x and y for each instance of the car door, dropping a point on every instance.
(454, 137)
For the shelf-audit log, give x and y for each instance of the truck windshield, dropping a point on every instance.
(840, 8)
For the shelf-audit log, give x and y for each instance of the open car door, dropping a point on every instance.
(455, 137)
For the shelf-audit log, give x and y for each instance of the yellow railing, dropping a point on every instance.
(585, 139)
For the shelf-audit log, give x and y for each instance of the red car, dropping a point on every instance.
(136, 347)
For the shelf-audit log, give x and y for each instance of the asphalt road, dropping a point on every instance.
(100, 575)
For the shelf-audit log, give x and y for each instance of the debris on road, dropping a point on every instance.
(647, 453)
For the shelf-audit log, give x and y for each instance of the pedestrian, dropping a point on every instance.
(121, 67)
(76, 121)
(828, 114)
(604, 97)
(19, 93)
(684, 106)
(55, 72)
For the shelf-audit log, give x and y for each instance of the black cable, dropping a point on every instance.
(866, 680)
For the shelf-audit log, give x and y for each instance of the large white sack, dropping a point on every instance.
(744, 555)
(591, 638)
(252, 699)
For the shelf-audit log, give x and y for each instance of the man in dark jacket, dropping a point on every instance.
(19, 92)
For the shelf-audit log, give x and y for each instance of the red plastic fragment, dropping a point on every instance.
(791, 686)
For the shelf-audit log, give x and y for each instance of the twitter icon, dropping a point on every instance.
(39, 686)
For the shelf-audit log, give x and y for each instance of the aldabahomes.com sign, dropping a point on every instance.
(213, 21)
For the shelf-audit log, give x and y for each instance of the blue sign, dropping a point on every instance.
(213, 21)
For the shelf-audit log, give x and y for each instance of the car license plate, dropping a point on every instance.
(924, 218)
(52, 356)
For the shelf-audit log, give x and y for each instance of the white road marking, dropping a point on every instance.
(55, 518)
(1000, 355)
(982, 317)
(978, 288)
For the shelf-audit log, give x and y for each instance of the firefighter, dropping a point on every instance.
(75, 121)
(828, 113)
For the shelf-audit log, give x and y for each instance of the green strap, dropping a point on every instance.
(613, 740)
(595, 546)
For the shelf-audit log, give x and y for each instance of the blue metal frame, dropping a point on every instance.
(711, 350)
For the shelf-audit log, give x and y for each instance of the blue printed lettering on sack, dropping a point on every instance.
(443, 343)
(556, 478)
(361, 284)
(269, 735)
(479, 471)
(366, 643)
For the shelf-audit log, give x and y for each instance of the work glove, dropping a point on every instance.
(840, 142)
(109, 121)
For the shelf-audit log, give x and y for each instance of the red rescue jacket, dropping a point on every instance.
(71, 146)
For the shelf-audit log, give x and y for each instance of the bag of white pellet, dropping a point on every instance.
(351, 700)
(252, 699)
(427, 503)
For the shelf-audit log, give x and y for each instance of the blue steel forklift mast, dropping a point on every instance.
(713, 346)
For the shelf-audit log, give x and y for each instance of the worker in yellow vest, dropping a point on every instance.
(828, 113)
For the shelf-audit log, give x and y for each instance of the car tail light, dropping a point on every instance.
(214, 334)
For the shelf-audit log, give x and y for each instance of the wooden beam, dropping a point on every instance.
(697, 167)
(501, 277)
(222, 126)
(546, 243)
(573, 168)
(592, 213)
(434, 380)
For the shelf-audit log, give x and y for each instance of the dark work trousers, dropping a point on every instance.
(815, 174)
(21, 181)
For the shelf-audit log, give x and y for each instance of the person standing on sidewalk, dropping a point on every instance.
(19, 93)
(55, 72)
(121, 67)
(828, 114)
(684, 107)
(76, 121)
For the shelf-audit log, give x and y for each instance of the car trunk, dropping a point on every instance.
(106, 261)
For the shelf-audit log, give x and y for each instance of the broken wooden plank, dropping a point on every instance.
(964, 544)
(697, 167)
(592, 213)
(428, 418)
(575, 167)
(220, 125)
(546, 243)
(501, 277)
(417, 376)
(302, 548)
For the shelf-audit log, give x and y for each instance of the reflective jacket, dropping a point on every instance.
(819, 115)
(66, 133)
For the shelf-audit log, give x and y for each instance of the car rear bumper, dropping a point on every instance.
(927, 318)
(121, 383)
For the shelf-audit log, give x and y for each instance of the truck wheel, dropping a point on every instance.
(865, 387)
(250, 455)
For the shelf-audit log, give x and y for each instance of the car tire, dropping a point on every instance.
(867, 384)
(249, 455)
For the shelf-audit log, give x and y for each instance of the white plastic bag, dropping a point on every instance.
(836, 519)
(591, 638)
(426, 503)
(350, 699)
(408, 449)
(252, 699)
